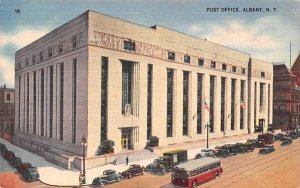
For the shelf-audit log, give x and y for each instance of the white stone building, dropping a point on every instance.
(111, 79)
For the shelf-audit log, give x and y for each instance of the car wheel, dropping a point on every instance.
(194, 183)
(216, 174)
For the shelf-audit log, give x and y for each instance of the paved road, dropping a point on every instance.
(4, 166)
(251, 170)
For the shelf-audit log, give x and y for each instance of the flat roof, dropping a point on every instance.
(194, 163)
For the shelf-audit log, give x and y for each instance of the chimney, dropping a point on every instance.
(4, 86)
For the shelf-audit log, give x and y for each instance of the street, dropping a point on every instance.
(277, 169)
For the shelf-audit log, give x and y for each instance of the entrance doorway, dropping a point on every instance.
(126, 139)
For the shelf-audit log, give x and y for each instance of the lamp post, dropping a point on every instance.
(83, 143)
(207, 130)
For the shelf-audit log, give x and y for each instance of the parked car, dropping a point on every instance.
(22, 167)
(15, 162)
(293, 135)
(205, 153)
(31, 174)
(267, 149)
(109, 176)
(222, 153)
(158, 168)
(278, 136)
(286, 142)
(134, 170)
(9, 155)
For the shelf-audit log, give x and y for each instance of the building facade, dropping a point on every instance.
(7, 112)
(286, 107)
(107, 78)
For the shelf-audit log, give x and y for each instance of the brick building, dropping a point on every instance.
(7, 112)
(286, 109)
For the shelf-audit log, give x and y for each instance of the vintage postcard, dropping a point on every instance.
(150, 93)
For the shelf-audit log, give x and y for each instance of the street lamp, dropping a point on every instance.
(207, 130)
(83, 143)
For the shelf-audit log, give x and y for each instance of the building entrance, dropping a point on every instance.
(126, 141)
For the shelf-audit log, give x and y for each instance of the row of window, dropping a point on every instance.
(49, 53)
(283, 108)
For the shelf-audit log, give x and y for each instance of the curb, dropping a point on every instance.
(74, 186)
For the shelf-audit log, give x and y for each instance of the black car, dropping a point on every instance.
(15, 162)
(134, 170)
(222, 153)
(279, 136)
(267, 149)
(109, 176)
(286, 142)
(293, 135)
(158, 168)
(31, 174)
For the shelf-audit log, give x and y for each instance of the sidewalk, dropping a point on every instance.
(54, 175)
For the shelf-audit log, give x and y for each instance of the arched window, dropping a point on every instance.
(283, 107)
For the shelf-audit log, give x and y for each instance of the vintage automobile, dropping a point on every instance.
(15, 162)
(9, 155)
(279, 136)
(31, 174)
(109, 176)
(158, 168)
(205, 153)
(293, 135)
(23, 166)
(134, 170)
(267, 149)
(222, 153)
(286, 142)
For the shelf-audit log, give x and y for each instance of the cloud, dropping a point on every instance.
(21, 38)
(241, 36)
(7, 70)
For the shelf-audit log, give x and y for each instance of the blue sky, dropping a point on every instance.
(264, 35)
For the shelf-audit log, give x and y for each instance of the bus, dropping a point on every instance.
(195, 171)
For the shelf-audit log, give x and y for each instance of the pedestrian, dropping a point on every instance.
(80, 178)
(127, 160)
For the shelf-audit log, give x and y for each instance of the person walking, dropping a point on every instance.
(80, 178)
(127, 160)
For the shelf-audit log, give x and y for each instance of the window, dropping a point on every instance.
(223, 92)
(213, 64)
(233, 68)
(232, 114)
(74, 41)
(50, 52)
(128, 45)
(185, 103)
(243, 71)
(170, 76)
(201, 62)
(8, 96)
(104, 81)
(199, 103)
(33, 59)
(262, 74)
(187, 58)
(224, 66)
(41, 56)
(60, 48)
(283, 107)
(149, 100)
(171, 56)
(26, 62)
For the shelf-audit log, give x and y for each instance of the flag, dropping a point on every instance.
(206, 106)
(243, 105)
(229, 115)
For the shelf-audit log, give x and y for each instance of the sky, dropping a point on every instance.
(262, 34)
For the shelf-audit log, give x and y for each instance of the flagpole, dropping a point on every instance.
(207, 124)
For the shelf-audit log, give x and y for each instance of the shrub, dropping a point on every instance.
(106, 146)
(153, 141)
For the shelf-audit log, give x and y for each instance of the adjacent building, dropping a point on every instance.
(7, 112)
(107, 78)
(286, 107)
